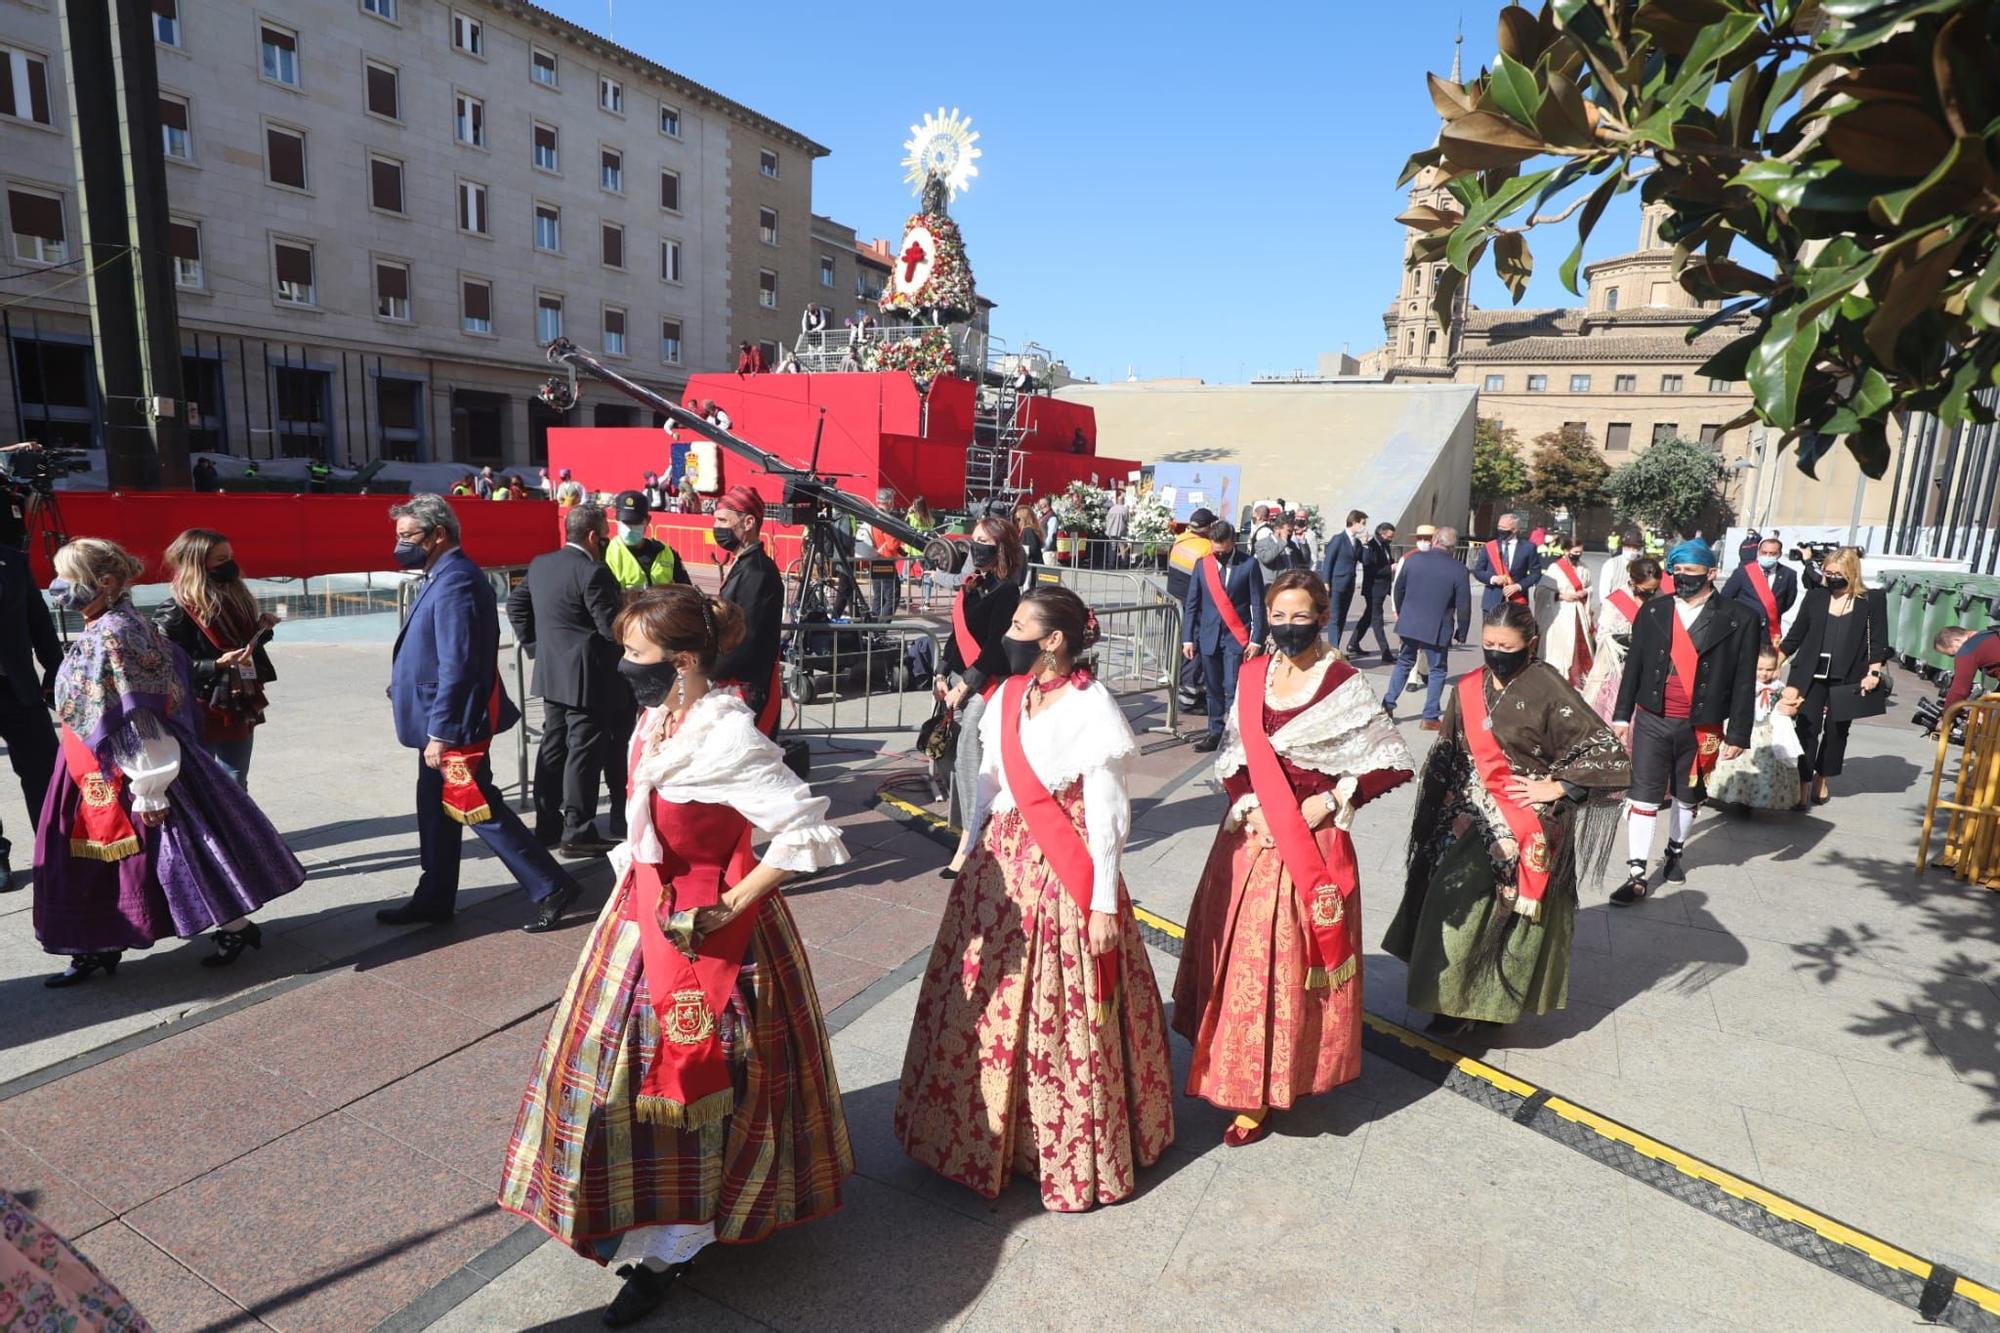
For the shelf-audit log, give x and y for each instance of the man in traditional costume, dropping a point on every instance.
(1688, 696)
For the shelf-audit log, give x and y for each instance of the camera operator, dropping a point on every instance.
(29, 656)
(1971, 652)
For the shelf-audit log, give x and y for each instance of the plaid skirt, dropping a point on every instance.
(585, 1168)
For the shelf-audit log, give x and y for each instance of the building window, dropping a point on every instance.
(37, 222)
(392, 290)
(670, 121)
(1611, 298)
(770, 351)
(24, 86)
(384, 99)
(1721, 386)
(548, 228)
(767, 289)
(767, 163)
(1579, 384)
(1618, 437)
(545, 146)
(670, 341)
(399, 407)
(670, 261)
(303, 397)
(767, 225)
(542, 66)
(1538, 384)
(670, 191)
(1625, 383)
(468, 34)
(826, 270)
(281, 55)
(1495, 383)
(1710, 433)
(292, 261)
(184, 241)
(1409, 341)
(1431, 342)
(469, 120)
(475, 298)
(1670, 384)
(381, 9)
(611, 171)
(472, 207)
(167, 22)
(176, 139)
(611, 95)
(613, 245)
(285, 157)
(1665, 430)
(548, 317)
(614, 332)
(385, 184)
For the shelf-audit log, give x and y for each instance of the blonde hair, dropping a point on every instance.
(85, 560)
(1847, 563)
(209, 602)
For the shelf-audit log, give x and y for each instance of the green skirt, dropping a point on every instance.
(1436, 929)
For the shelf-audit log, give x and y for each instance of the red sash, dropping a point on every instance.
(1531, 879)
(767, 716)
(1500, 567)
(1569, 572)
(968, 646)
(1062, 847)
(103, 830)
(459, 764)
(1627, 604)
(1326, 892)
(1761, 585)
(1708, 738)
(1211, 573)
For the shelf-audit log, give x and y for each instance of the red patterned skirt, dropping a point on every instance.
(1260, 1037)
(1005, 1072)
(585, 1168)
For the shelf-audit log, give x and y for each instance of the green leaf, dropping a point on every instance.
(1982, 298)
(1593, 208)
(1514, 90)
(1870, 447)
(1873, 394)
(1778, 366)
(1732, 362)
(1891, 208)
(1429, 157)
(1464, 239)
(1780, 182)
(1513, 262)
(1506, 200)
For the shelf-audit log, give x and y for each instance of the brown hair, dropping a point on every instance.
(1300, 580)
(682, 620)
(1008, 538)
(1643, 570)
(1059, 609)
(214, 604)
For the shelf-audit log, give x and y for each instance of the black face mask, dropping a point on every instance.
(1294, 639)
(1689, 585)
(226, 572)
(985, 555)
(1022, 655)
(650, 681)
(1836, 583)
(1506, 664)
(726, 538)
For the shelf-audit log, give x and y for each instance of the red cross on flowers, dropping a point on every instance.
(911, 258)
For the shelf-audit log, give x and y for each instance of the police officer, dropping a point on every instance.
(637, 560)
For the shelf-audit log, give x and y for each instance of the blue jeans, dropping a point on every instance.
(1219, 670)
(233, 757)
(1406, 662)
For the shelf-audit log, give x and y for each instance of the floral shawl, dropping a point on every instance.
(119, 666)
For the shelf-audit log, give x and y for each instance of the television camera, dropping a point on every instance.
(1930, 714)
(28, 503)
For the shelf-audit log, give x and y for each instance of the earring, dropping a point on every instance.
(1047, 661)
(680, 689)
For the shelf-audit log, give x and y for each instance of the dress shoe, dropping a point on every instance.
(7, 881)
(552, 907)
(409, 914)
(1670, 869)
(1211, 741)
(642, 1294)
(584, 842)
(1635, 888)
(81, 968)
(230, 944)
(1430, 724)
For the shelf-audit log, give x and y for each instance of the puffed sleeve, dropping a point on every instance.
(777, 803)
(150, 759)
(1107, 819)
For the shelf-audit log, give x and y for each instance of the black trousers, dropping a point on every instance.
(439, 843)
(1343, 598)
(31, 749)
(567, 768)
(1372, 599)
(1663, 754)
(621, 715)
(1822, 741)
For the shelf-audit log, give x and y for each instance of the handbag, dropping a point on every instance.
(1845, 703)
(937, 738)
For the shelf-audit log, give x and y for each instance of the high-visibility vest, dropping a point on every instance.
(632, 568)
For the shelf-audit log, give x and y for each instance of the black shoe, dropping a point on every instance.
(7, 881)
(230, 944)
(1388, 659)
(1209, 742)
(1670, 869)
(1447, 1025)
(642, 1294)
(552, 908)
(409, 914)
(584, 842)
(1634, 888)
(82, 967)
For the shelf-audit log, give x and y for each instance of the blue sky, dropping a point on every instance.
(1162, 188)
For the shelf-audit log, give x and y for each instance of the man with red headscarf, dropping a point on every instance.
(754, 585)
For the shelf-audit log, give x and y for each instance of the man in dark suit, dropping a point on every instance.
(562, 614)
(1508, 567)
(1222, 622)
(1376, 577)
(1433, 610)
(1765, 585)
(1687, 698)
(755, 587)
(448, 703)
(29, 656)
(1338, 567)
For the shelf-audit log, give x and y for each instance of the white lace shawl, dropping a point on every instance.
(1082, 734)
(720, 758)
(1344, 736)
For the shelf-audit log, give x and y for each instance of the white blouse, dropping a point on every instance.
(1346, 736)
(150, 758)
(1081, 734)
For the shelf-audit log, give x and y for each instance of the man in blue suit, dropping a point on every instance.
(445, 690)
(1509, 566)
(1210, 624)
(1339, 566)
(1433, 608)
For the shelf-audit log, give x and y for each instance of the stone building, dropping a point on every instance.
(382, 209)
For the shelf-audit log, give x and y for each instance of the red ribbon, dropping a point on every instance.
(1761, 585)
(103, 830)
(1531, 878)
(1708, 746)
(1627, 604)
(968, 646)
(1500, 567)
(1211, 573)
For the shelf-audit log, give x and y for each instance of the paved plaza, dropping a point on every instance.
(312, 1139)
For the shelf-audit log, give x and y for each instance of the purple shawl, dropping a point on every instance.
(119, 665)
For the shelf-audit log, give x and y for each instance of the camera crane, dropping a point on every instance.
(811, 498)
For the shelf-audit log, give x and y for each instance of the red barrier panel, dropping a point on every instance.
(1053, 423)
(297, 536)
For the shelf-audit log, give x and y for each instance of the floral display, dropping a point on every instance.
(1081, 509)
(1150, 525)
(930, 272)
(924, 357)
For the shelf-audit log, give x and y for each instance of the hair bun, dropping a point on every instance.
(1091, 630)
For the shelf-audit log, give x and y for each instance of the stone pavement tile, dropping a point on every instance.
(888, 936)
(918, 884)
(825, 911)
(1049, 1283)
(1961, 1118)
(137, 1126)
(1135, 1237)
(1760, 1075)
(838, 978)
(495, 976)
(1651, 948)
(1678, 996)
(1931, 1203)
(1593, 928)
(1544, 1290)
(461, 1109)
(340, 1037)
(868, 1081)
(1706, 1127)
(1838, 1021)
(885, 1028)
(886, 1251)
(54, 1197)
(333, 1227)
(162, 1290)
(1579, 1036)
(556, 1291)
(1313, 1148)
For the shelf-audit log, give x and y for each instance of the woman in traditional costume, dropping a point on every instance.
(1614, 632)
(685, 1092)
(1517, 801)
(46, 1284)
(143, 835)
(1040, 1044)
(1269, 989)
(1569, 642)
(975, 658)
(215, 620)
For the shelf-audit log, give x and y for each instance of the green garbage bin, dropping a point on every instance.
(1944, 603)
(1893, 596)
(1908, 627)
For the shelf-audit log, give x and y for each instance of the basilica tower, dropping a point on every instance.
(1416, 344)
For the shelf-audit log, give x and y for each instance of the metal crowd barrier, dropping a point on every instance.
(1119, 587)
(1139, 651)
(1972, 833)
(850, 662)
